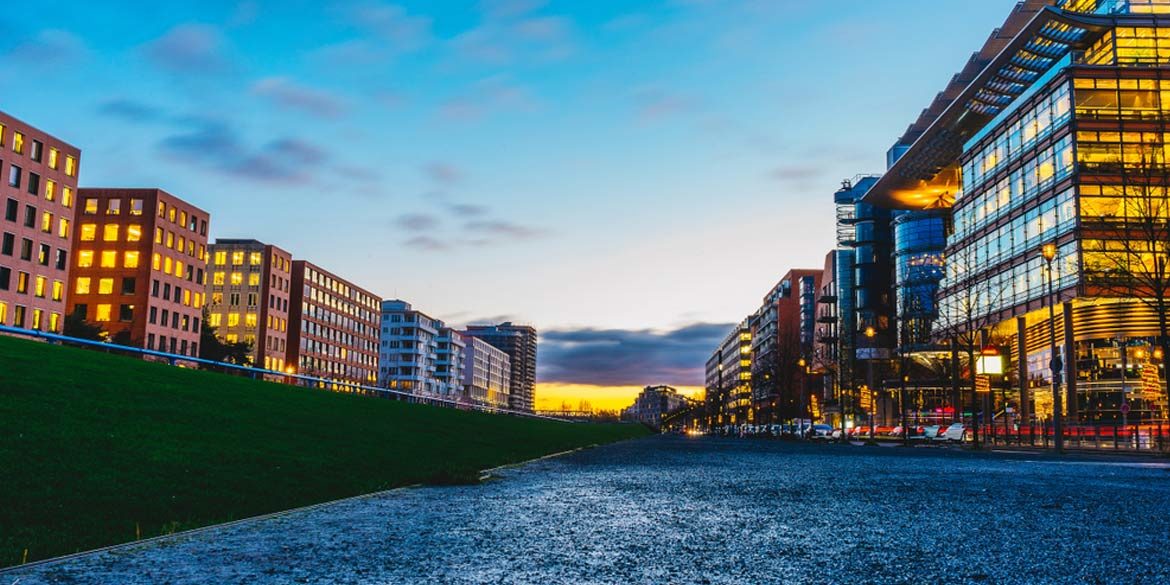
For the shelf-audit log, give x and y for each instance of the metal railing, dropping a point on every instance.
(1142, 437)
(290, 379)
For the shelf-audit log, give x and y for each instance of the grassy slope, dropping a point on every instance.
(94, 447)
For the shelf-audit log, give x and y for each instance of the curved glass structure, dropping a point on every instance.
(919, 265)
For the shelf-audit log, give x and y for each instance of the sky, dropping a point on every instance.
(629, 176)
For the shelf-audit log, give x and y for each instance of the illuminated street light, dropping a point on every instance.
(1048, 251)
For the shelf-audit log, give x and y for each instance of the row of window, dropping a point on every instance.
(1014, 190)
(16, 178)
(44, 252)
(338, 352)
(253, 258)
(176, 346)
(274, 302)
(38, 286)
(337, 287)
(30, 219)
(325, 316)
(1050, 113)
(39, 322)
(1017, 285)
(36, 151)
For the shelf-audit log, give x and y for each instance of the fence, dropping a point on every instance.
(303, 381)
(1144, 437)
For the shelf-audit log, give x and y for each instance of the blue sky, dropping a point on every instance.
(620, 168)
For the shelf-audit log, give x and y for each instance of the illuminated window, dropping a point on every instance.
(233, 319)
(88, 232)
(70, 166)
(250, 320)
(217, 278)
(255, 258)
(110, 232)
(105, 286)
(85, 258)
(58, 290)
(133, 233)
(171, 214)
(168, 265)
(67, 197)
(50, 190)
(82, 287)
(91, 206)
(54, 154)
(47, 222)
(109, 259)
(179, 268)
(254, 279)
(63, 227)
(102, 313)
(18, 143)
(187, 297)
(156, 262)
(162, 209)
(220, 258)
(231, 338)
(135, 207)
(40, 287)
(158, 235)
(130, 260)
(214, 319)
(237, 258)
(182, 244)
(182, 218)
(36, 321)
(237, 278)
(171, 240)
(54, 322)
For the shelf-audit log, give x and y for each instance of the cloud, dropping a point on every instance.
(502, 229)
(427, 244)
(417, 222)
(624, 357)
(509, 34)
(130, 110)
(653, 105)
(488, 96)
(50, 47)
(214, 145)
(392, 25)
(510, 8)
(189, 49)
(468, 210)
(284, 92)
(797, 173)
(443, 173)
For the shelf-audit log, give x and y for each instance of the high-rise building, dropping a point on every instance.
(782, 334)
(729, 379)
(139, 267)
(38, 190)
(333, 327)
(1049, 148)
(652, 403)
(487, 373)
(248, 294)
(419, 354)
(519, 342)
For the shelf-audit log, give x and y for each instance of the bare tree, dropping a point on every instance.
(1127, 248)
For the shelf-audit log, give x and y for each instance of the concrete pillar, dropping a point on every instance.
(1022, 367)
(1070, 368)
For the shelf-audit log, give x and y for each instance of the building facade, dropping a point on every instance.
(333, 327)
(140, 267)
(519, 342)
(653, 403)
(487, 374)
(783, 332)
(39, 187)
(1052, 159)
(419, 354)
(248, 298)
(729, 380)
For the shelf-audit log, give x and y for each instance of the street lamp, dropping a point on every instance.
(871, 333)
(803, 392)
(1048, 251)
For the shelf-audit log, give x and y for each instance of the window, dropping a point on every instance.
(158, 235)
(40, 287)
(237, 258)
(61, 259)
(110, 232)
(26, 246)
(18, 143)
(109, 259)
(105, 286)
(125, 313)
(135, 207)
(113, 206)
(254, 279)
(62, 227)
(67, 197)
(133, 233)
(11, 209)
(38, 314)
(50, 190)
(91, 206)
(70, 166)
(102, 313)
(54, 154)
(46, 222)
(255, 258)
(213, 319)
(14, 176)
(37, 148)
(43, 254)
(8, 245)
(250, 320)
(168, 264)
(22, 282)
(156, 262)
(5, 278)
(30, 216)
(129, 285)
(58, 290)
(153, 317)
(233, 319)
(237, 278)
(220, 258)
(217, 278)
(130, 259)
(82, 286)
(85, 258)
(34, 184)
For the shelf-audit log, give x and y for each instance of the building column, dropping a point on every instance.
(1025, 414)
(1070, 368)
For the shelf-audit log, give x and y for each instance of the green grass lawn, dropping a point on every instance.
(97, 449)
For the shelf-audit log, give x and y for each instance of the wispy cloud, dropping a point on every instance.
(427, 244)
(417, 222)
(488, 96)
(621, 357)
(286, 93)
(50, 47)
(129, 110)
(503, 229)
(189, 49)
(213, 145)
(655, 104)
(443, 173)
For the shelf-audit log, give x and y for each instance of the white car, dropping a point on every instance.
(956, 433)
(821, 433)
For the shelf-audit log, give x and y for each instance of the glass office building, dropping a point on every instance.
(1057, 138)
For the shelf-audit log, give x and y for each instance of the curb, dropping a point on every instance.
(483, 475)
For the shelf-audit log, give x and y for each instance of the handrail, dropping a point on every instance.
(174, 358)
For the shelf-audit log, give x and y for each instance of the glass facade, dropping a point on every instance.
(920, 240)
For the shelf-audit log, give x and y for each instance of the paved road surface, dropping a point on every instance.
(678, 510)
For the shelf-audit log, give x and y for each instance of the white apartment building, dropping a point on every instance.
(487, 374)
(418, 353)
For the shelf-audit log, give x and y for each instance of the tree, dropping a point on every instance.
(1127, 239)
(76, 326)
(213, 349)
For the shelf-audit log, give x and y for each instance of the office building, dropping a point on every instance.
(419, 354)
(519, 342)
(653, 403)
(248, 294)
(333, 327)
(39, 183)
(487, 374)
(139, 267)
(729, 379)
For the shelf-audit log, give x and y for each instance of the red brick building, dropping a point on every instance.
(333, 326)
(38, 184)
(139, 267)
(248, 297)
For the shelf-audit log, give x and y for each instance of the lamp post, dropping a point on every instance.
(1048, 251)
(871, 333)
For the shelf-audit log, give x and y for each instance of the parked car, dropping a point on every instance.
(821, 432)
(931, 433)
(956, 433)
